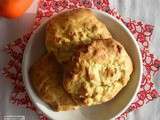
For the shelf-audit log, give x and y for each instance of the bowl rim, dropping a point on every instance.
(139, 56)
(28, 46)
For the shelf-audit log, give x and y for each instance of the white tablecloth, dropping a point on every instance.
(145, 10)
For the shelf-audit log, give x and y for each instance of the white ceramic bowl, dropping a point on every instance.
(35, 48)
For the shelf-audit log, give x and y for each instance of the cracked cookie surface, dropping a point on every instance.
(68, 29)
(97, 72)
(46, 77)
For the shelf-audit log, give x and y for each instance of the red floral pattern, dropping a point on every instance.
(47, 8)
(143, 33)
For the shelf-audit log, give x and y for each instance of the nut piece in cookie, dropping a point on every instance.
(68, 29)
(46, 77)
(97, 72)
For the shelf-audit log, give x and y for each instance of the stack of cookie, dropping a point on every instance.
(84, 65)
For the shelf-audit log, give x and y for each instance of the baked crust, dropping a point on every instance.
(71, 28)
(97, 72)
(46, 77)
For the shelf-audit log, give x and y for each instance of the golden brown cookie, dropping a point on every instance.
(97, 72)
(71, 28)
(46, 76)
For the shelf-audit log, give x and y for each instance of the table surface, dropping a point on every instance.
(145, 10)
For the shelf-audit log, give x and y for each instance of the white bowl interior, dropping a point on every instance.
(108, 110)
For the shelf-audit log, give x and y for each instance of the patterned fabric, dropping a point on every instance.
(47, 8)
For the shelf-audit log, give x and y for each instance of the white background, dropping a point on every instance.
(145, 10)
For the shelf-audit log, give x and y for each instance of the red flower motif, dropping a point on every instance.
(86, 3)
(131, 27)
(154, 93)
(101, 4)
(141, 37)
(148, 29)
(141, 95)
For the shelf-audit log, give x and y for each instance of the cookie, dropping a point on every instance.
(68, 29)
(97, 72)
(46, 77)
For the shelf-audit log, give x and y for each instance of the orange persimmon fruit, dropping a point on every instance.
(13, 8)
